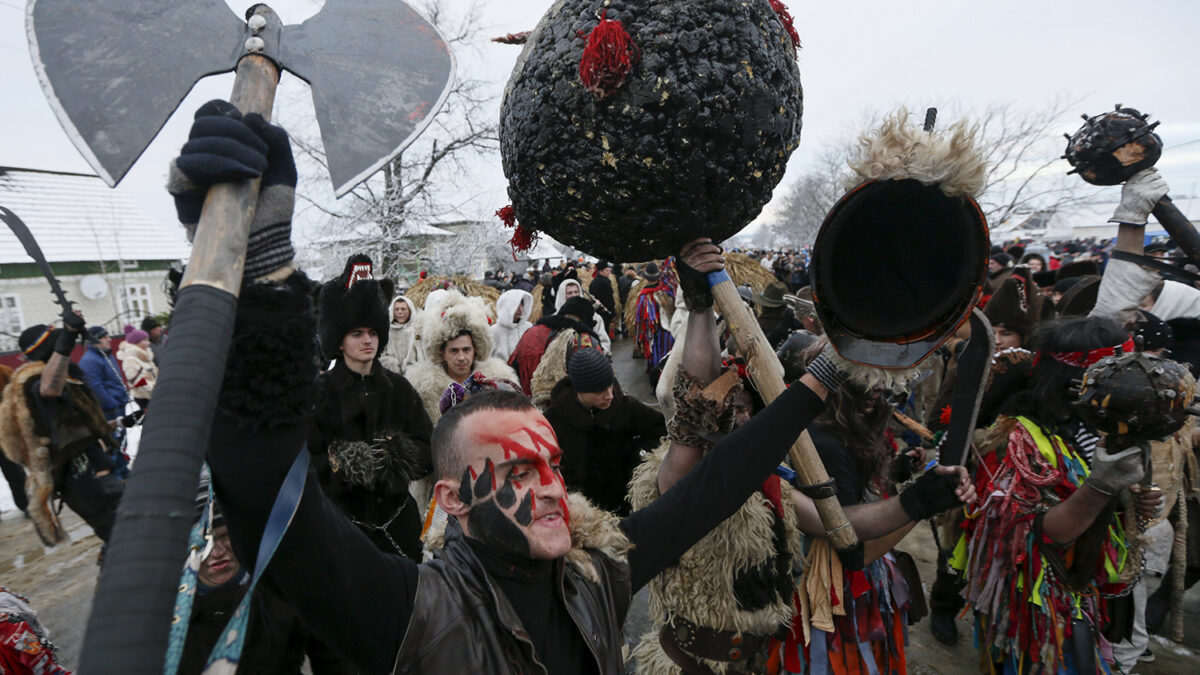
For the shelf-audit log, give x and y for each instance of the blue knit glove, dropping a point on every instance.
(225, 147)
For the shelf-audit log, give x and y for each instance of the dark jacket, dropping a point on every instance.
(601, 289)
(384, 410)
(461, 623)
(102, 374)
(275, 640)
(601, 447)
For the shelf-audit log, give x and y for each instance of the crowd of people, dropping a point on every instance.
(483, 495)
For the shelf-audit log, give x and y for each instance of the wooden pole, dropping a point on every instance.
(767, 374)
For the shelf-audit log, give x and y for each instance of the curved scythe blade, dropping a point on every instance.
(115, 70)
(378, 72)
(974, 369)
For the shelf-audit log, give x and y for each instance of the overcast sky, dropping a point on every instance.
(857, 56)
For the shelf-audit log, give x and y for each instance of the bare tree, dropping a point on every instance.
(421, 186)
(1022, 146)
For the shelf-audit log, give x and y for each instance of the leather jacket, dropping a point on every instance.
(461, 622)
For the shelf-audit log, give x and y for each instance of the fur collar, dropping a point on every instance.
(592, 529)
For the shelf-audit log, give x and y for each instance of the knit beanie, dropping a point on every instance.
(37, 342)
(97, 332)
(135, 335)
(589, 371)
(150, 323)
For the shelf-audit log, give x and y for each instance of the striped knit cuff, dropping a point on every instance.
(269, 249)
(827, 373)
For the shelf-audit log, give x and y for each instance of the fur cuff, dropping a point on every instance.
(271, 367)
(701, 412)
(387, 463)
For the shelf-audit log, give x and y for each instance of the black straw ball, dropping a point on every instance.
(691, 144)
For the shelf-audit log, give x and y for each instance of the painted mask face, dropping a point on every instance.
(513, 486)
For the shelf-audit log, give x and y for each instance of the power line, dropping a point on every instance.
(1179, 145)
(16, 7)
(15, 49)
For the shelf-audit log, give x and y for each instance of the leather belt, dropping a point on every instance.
(685, 642)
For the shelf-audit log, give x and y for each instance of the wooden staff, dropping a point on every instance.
(765, 371)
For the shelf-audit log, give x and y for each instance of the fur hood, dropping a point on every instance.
(560, 293)
(403, 346)
(430, 380)
(457, 312)
(897, 150)
(591, 528)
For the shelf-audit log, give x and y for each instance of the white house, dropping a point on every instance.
(108, 253)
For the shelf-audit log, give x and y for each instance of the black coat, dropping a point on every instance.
(602, 289)
(777, 324)
(382, 408)
(601, 447)
(275, 640)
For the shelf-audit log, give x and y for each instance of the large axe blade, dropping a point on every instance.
(348, 54)
(114, 70)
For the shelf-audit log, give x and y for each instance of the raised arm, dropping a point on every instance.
(323, 563)
(1125, 283)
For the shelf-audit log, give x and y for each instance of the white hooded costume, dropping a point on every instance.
(402, 347)
(507, 332)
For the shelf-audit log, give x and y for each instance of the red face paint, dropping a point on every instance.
(533, 455)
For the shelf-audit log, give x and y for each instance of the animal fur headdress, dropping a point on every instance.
(911, 303)
(457, 313)
(1017, 305)
(353, 300)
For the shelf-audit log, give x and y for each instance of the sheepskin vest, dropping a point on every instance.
(709, 585)
(27, 440)
(461, 623)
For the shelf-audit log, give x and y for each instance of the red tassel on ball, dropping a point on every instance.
(608, 57)
(785, 17)
(523, 238)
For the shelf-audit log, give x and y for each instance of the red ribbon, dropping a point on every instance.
(1086, 358)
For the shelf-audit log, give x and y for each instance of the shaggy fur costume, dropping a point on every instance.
(344, 306)
(591, 528)
(700, 587)
(264, 388)
(703, 586)
(23, 445)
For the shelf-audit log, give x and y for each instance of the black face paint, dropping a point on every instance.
(487, 480)
(524, 514)
(506, 496)
(491, 526)
(464, 487)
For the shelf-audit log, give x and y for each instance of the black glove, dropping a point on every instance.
(697, 294)
(930, 495)
(132, 418)
(223, 147)
(66, 341)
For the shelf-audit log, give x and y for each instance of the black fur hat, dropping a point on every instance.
(1016, 305)
(354, 299)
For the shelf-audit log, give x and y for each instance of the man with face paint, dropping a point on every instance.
(524, 578)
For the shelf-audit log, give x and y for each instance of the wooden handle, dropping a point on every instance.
(219, 247)
(767, 374)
